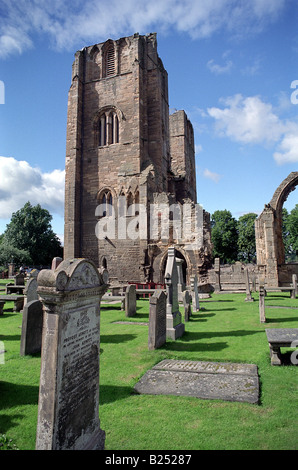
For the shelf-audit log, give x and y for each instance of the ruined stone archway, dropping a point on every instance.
(268, 230)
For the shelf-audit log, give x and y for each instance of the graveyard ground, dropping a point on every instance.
(227, 329)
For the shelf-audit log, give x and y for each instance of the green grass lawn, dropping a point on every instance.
(227, 329)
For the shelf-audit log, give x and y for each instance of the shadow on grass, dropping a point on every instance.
(280, 319)
(192, 341)
(116, 338)
(17, 394)
(112, 393)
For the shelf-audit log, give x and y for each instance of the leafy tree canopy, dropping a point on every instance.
(224, 236)
(30, 231)
(246, 238)
(290, 230)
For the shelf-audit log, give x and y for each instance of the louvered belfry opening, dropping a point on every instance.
(110, 61)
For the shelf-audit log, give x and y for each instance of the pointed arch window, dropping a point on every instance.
(105, 201)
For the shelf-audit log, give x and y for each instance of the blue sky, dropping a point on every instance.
(230, 63)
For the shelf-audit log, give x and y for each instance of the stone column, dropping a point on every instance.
(68, 407)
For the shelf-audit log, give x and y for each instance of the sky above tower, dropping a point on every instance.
(232, 66)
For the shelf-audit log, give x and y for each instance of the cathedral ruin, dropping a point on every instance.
(130, 185)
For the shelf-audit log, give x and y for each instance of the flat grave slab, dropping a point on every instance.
(206, 380)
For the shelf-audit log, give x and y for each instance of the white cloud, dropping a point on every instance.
(211, 175)
(247, 120)
(219, 69)
(288, 148)
(252, 121)
(79, 22)
(19, 183)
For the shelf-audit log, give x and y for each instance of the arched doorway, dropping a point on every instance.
(184, 265)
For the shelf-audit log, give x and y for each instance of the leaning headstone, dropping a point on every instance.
(31, 290)
(175, 328)
(31, 328)
(130, 301)
(68, 406)
(186, 304)
(157, 320)
(195, 293)
(262, 301)
(248, 298)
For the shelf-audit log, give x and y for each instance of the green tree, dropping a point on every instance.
(11, 254)
(224, 236)
(246, 238)
(290, 231)
(30, 230)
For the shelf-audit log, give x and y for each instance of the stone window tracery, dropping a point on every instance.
(105, 200)
(107, 128)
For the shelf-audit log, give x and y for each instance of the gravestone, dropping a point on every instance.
(31, 290)
(11, 270)
(180, 283)
(207, 380)
(175, 328)
(68, 406)
(262, 301)
(186, 297)
(248, 298)
(217, 286)
(33, 273)
(31, 328)
(19, 279)
(55, 262)
(157, 331)
(294, 284)
(130, 301)
(195, 293)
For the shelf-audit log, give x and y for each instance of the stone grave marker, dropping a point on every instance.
(31, 328)
(175, 328)
(294, 284)
(55, 262)
(217, 286)
(248, 298)
(157, 331)
(202, 379)
(180, 283)
(195, 293)
(19, 279)
(68, 406)
(186, 304)
(31, 290)
(262, 301)
(130, 301)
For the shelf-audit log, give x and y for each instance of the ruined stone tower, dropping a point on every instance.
(124, 155)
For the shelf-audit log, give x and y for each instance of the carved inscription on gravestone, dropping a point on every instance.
(79, 371)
